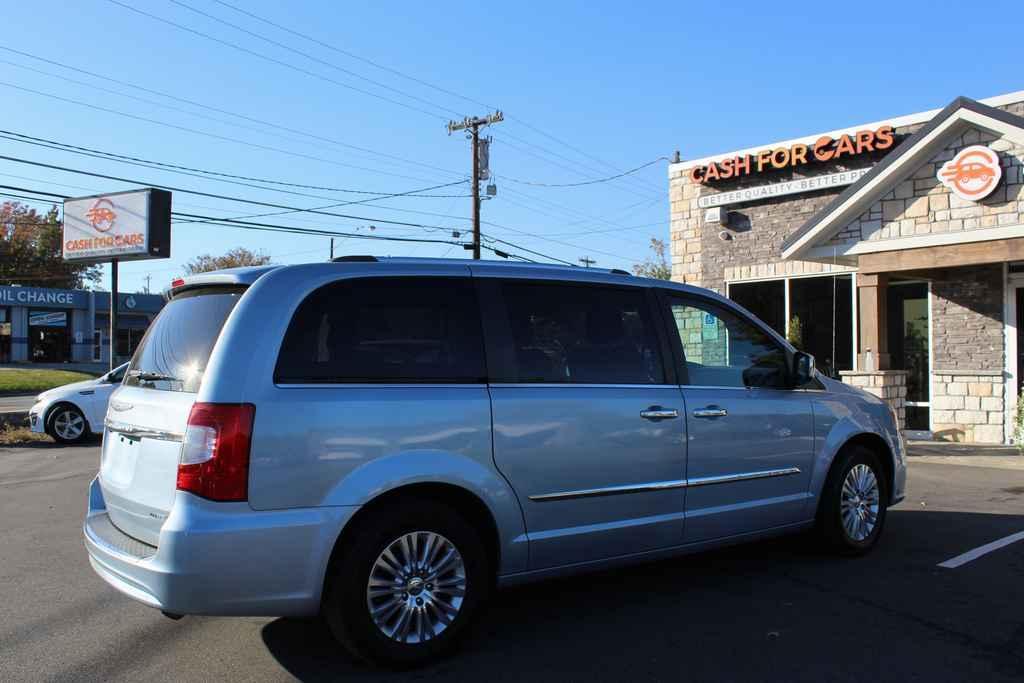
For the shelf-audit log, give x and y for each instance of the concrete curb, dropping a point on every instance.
(998, 462)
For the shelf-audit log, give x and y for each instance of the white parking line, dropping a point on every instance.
(970, 555)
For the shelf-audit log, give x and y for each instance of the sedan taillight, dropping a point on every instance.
(214, 460)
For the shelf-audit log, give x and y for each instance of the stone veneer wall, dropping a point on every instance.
(968, 406)
(921, 205)
(888, 385)
(967, 346)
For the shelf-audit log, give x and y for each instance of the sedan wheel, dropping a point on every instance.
(67, 424)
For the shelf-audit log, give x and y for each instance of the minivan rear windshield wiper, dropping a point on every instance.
(146, 376)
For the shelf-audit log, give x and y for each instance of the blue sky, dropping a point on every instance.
(588, 89)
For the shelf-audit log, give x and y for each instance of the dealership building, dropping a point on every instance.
(893, 251)
(70, 326)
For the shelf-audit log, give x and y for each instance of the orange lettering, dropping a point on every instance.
(780, 158)
(743, 165)
(823, 149)
(799, 155)
(844, 146)
(865, 141)
(883, 137)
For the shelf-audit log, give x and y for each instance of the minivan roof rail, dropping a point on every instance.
(358, 258)
(619, 271)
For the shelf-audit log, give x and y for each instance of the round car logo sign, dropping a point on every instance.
(101, 216)
(972, 174)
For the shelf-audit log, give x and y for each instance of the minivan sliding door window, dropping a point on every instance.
(385, 330)
(573, 334)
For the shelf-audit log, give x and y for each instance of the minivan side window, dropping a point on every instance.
(723, 349)
(568, 333)
(394, 330)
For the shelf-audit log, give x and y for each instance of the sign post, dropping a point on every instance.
(113, 314)
(122, 226)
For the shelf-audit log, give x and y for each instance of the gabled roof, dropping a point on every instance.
(960, 114)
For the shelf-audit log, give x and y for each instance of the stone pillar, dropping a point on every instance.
(888, 385)
(873, 323)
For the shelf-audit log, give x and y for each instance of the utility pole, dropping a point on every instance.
(587, 261)
(332, 249)
(473, 125)
(148, 278)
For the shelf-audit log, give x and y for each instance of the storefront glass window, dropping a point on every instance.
(766, 300)
(820, 315)
(48, 337)
(824, 308)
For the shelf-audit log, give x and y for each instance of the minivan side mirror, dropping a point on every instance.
(803, 368)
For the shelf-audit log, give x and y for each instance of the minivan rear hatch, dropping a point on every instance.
(148, 414)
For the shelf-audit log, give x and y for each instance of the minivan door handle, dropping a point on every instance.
(659, 413)
(710, 411)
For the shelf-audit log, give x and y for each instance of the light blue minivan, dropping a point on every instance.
(385, 441)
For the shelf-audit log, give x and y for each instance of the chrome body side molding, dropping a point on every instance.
(662, 485)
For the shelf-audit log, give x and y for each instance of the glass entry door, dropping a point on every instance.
(908, 347)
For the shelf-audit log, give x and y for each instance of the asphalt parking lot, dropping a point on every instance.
(770, 611)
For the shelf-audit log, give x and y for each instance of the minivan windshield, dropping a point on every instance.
(174, 353)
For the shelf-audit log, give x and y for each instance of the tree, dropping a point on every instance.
(795, 332)
(31, 254)
(239, 256)
(656, 266)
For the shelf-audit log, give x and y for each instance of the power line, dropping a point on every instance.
(98, 153)
(292, 66)
(208, 107)
(272, 60)
(586, 182)
(361, 201)
(272, 227)
(244, 184)
(213, 195)
(419, 81)
(280, 206)
(207, 133)
(313, 58)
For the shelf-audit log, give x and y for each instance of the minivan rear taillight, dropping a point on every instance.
(215, 454)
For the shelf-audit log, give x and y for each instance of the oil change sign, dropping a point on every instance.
(122, 226)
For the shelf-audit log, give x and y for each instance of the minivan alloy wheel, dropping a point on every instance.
(416, 587)
(859, 502)
(68, 424)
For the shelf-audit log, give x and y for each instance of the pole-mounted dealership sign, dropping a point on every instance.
(123, 226)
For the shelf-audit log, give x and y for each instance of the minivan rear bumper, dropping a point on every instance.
(219, 558)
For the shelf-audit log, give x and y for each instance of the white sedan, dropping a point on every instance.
(73, 411)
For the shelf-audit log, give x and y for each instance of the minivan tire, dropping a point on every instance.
(836, 535)
(346, 604)
(69, 415)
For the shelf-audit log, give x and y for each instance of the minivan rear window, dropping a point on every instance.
(174, 353)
